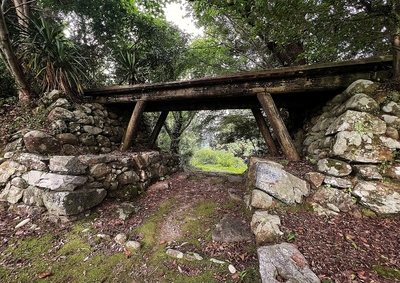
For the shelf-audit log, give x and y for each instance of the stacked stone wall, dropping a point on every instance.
(73, 164)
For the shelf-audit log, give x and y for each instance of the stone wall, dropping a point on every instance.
(353, 143)
(73, 163)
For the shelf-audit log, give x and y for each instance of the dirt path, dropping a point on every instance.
(181, 213)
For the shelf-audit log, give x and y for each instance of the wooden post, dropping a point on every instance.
(262, 125)
(279, 127)
(157, 128)
(133, 125)
(396, 57)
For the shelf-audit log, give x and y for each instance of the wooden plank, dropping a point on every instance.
(365, 65)
(278, 126)
(262, 125)
(133, 125)
(295, 87)
(157, 128)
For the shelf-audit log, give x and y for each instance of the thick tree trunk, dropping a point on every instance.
(24, 90)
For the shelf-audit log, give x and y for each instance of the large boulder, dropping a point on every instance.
(67, 165)
(381, 197)
(54, 182)
(71, 203)
(287, 262)
(41, 142)
(272, 179)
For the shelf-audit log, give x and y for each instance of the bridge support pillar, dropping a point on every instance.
(157, 128)
(262, 125)
(133, 125)
(278, 126)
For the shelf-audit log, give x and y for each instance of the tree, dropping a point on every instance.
(278, 33)
(10, 59)
(176, 126)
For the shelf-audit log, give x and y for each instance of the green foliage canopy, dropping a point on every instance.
(280, 32)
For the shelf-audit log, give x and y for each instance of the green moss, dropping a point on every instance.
(150, 229)
(368, 213)
(386, 271)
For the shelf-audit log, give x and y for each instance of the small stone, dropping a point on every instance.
(217, 261)
(22, 223)
(232, 269)
(191, 256)
(121, 239)
(174, 253)
(133, 245)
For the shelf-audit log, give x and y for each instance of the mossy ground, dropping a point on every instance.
(85, 251)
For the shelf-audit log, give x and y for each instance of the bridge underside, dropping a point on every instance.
(298, 89)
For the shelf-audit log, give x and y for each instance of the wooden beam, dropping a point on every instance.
(278, 126)
(157, 128)
(133, 125)
(262, 125)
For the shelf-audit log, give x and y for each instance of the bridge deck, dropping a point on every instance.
(290, 87)
(296, 88)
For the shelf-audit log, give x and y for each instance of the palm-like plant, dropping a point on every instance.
(51, 58)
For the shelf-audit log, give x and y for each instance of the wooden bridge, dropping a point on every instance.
(295, 88)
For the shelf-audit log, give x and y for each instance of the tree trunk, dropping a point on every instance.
(25, 92)
(396, 57)
(22, 8)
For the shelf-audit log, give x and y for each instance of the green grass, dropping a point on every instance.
(217, 161)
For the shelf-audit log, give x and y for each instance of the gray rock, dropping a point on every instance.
(392, 108)
(359, 102)
(11, 194)
(7, 169)
(265, 227)
(272, 179)
(287, 262)
(231, 230)
(314, 178)
(128, 177)
(19, 182)
(92, 130)
(338, 182)
(361, 86)
(54, 182)
(361, 147)
(381, 197)
(32, 161)
(335, 199)
(133, 245)
(368, 172)
(87, 139)
(33, 196)
(99, 171)
(126, 209)
(357, 121)
(121, 238)
(71, 203)
(174, 253)
(333, 167)
(68, 138)
(260, 199)
(70, 165)
(59, 113)
(40, 142)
